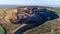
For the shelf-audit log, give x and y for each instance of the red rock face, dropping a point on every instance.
(13, 19)
(11, 14)
(31, 13)
(26, 11)
(19, 10)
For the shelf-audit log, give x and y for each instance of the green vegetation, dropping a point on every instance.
(1, 30)
(56, 10)
(57, 33)
(53, 32)
(7, 8)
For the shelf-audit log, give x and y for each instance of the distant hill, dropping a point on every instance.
(57, 8)
(15, 6)
(9, 6)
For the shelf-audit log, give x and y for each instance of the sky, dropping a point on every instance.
(31, 2)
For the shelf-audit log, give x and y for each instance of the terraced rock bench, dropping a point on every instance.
(19, 20)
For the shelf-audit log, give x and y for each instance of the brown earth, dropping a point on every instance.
(8, 16)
